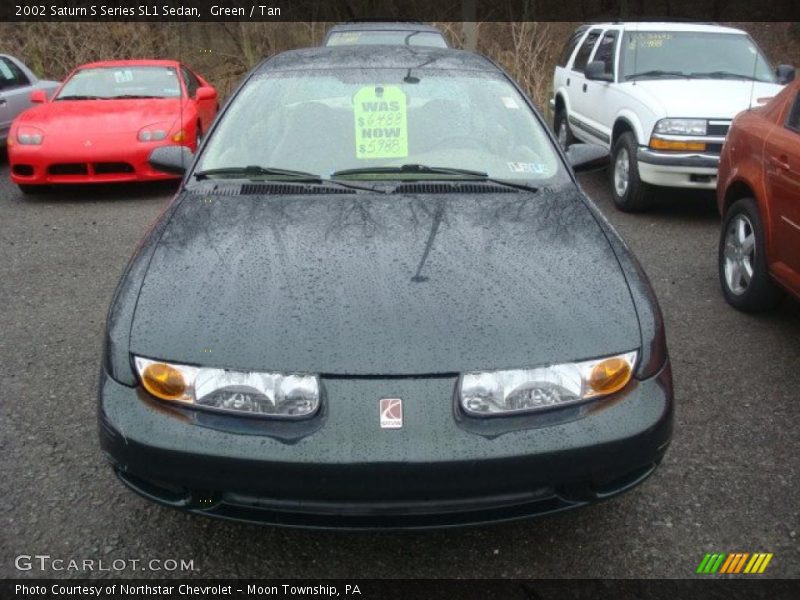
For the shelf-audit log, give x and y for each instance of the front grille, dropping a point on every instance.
(283, 189)
(718, 128)
(68, 169)
(452, 188)
(23, 170)
(108, 168)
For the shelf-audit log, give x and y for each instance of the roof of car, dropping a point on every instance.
(383, 26)
(132, 63)
(671, 26)
(377, 57)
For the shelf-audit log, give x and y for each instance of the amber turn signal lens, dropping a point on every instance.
(659, 144)
(609, 376)
(164, 381)
(179, 137)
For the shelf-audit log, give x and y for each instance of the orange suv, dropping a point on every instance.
(759, 199)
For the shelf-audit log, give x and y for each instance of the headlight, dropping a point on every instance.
(264, 394)
(29, 136)
(154, 133)
(681, 127)
(508, 392)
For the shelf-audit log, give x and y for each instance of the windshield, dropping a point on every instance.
(116, 82)
(327, 121)
(411, 38)
(657, 54)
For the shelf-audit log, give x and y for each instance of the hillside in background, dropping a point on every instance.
(223, 52)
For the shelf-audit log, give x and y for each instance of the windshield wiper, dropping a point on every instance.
(82, 98)
(723, 75)
(411, 168)
(136, 96)
(467, 174)
(254, 171)
(657, 73)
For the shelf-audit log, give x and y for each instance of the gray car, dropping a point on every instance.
(370, 33)
(16, 84)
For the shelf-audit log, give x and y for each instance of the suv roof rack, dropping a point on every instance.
(669, 20)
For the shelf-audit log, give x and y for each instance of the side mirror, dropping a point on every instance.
(38, 97)
(596, 71)
(587, 157)
(206, 92)
(785, 73)
(171, 159)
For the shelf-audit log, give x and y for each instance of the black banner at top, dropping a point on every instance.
(423, 10)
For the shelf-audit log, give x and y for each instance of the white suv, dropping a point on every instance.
(661, 97)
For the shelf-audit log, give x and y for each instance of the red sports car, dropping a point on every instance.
(104, 121)
(759, 198)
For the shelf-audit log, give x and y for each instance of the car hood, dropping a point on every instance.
(367, 284)
(70, 118)
(703, 98)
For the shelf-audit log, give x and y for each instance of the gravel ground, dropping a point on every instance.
(729, 482)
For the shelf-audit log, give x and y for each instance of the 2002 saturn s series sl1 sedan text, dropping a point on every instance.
(380, 299)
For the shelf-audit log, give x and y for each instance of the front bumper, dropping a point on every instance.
(340, 469)
(684, 170)
(105, 161)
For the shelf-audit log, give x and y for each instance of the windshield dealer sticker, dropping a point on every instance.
(527, 167)
(648, 39)
(509, 102)
(123, 76)
(344, 39)
(381, 122)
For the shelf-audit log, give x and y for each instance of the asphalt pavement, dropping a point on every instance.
(729, 482)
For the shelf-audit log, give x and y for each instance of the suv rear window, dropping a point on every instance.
(585, 51)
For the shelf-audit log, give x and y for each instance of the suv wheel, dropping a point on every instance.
(742, 261)
(630, 193)
(563, 132)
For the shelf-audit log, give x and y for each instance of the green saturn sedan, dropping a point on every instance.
(380, 299)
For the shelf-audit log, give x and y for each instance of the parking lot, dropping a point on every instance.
(729, 482)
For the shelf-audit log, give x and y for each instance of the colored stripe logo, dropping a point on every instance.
(734, 563)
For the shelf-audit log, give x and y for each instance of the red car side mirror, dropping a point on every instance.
(38, 97)
(206, 92)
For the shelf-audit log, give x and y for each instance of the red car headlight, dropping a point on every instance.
(154, 133)
(29, 136)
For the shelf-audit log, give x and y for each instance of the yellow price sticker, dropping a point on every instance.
(381, 122)
(648, 40)
(345, 39)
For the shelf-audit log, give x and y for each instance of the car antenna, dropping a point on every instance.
(180, 86)
(635, 39)
(409, 78)
(753, 80)
(407, 39)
